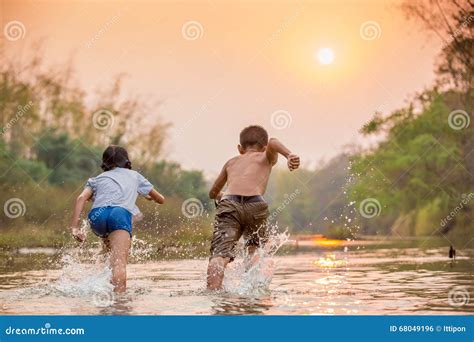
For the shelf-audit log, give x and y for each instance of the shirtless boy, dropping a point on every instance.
(241, 209)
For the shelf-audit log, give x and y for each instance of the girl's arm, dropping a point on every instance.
(79, 206)
(154, 195)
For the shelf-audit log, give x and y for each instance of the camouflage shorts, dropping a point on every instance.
(234, 219)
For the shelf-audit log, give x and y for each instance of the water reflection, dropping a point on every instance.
(121, 305)
(375, 280)
(330, 261)
(232, 305)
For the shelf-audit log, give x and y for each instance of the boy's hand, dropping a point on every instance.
(78, 234)
(293, 161)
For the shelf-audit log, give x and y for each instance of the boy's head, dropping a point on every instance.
(115, 156)
(253, 137)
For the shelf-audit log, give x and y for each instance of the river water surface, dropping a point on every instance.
(381, 279)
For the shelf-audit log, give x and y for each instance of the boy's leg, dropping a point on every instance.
(119, 248)
(252, 257)
(227, 232)
(256, 232)
(251, 250)
(215, 272)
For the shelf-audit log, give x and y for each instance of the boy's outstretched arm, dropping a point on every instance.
(215, 192)
(81, 200)
(154, 195)
(275, 147)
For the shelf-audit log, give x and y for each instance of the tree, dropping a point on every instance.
(418, 168)
(70, 161)
(453, 22)
(36, 98)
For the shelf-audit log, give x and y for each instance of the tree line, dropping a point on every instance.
(417, 181)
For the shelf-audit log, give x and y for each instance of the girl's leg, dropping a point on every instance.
(105, 246)
(119, 241)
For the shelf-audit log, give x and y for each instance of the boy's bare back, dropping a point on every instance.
(248, 174)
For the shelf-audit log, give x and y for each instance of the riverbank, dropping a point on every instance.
(185, 242)
(181, 241)
(184, 237)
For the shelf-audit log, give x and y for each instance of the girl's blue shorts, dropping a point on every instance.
(105, 220)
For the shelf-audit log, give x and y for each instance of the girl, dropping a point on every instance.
(114, 193)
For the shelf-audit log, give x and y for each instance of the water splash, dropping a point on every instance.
(84, 279)
(140, 250)
(250, 275)
(85, 272)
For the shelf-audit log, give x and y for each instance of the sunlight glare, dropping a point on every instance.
(325, 56)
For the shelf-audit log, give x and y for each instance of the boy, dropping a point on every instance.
(242, 209)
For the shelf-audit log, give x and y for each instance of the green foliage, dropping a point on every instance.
(339, 233)
(16, 171)
(311, 201)
(71, 161)
(51, 142)
(418, 166)
(171, 179)
(429, 216)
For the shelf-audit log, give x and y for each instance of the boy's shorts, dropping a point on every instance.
(105, 220)
(235, 218)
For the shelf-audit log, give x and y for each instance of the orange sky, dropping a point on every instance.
(251, 58)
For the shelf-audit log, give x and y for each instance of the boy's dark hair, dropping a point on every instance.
(253, 136)
(115, 156)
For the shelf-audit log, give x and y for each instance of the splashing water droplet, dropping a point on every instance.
(251, 275)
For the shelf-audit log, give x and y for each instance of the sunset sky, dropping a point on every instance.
(218, 66)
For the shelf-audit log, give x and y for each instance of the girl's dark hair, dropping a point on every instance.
(115, 156)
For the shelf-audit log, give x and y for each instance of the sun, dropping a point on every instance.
(325, 56)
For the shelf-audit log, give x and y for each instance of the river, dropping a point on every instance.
(380, 278)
